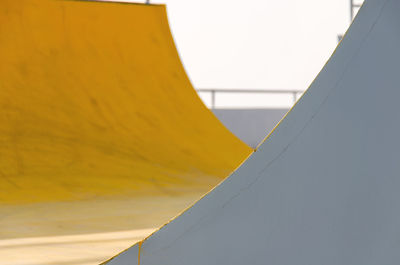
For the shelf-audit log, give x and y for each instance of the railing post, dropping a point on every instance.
(212, 99)
(213, 93)
(351, 10)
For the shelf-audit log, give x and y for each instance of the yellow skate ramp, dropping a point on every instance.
(97, 117)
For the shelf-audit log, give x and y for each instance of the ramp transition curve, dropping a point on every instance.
(323, 188)
(97, 116)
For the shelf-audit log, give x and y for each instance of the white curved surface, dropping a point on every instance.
(324, 187)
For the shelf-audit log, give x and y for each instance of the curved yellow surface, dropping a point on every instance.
(98, 119)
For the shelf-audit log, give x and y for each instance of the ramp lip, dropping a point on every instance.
(115, 2)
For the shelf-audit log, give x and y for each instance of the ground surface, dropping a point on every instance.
(68, 233)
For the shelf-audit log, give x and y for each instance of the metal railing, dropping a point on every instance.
(353, 7)
(213, 91)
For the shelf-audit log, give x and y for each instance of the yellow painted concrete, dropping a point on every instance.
(68, 232)
(100, 128)
(94, 101)
(67, 250)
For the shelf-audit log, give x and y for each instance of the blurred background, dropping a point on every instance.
(250, 61)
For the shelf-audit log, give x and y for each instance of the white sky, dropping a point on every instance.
(266, 44)
(256, 44)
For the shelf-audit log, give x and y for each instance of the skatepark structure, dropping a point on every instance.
(253, 122)
(100, 128)
(323, 188)
(250, 125)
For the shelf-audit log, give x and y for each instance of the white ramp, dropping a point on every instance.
(324, 188)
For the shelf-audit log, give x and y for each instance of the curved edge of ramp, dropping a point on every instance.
(323, 187)
(95, 101)
(99, 122)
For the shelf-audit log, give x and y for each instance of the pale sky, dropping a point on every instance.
(265, 44)
(256, 44)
